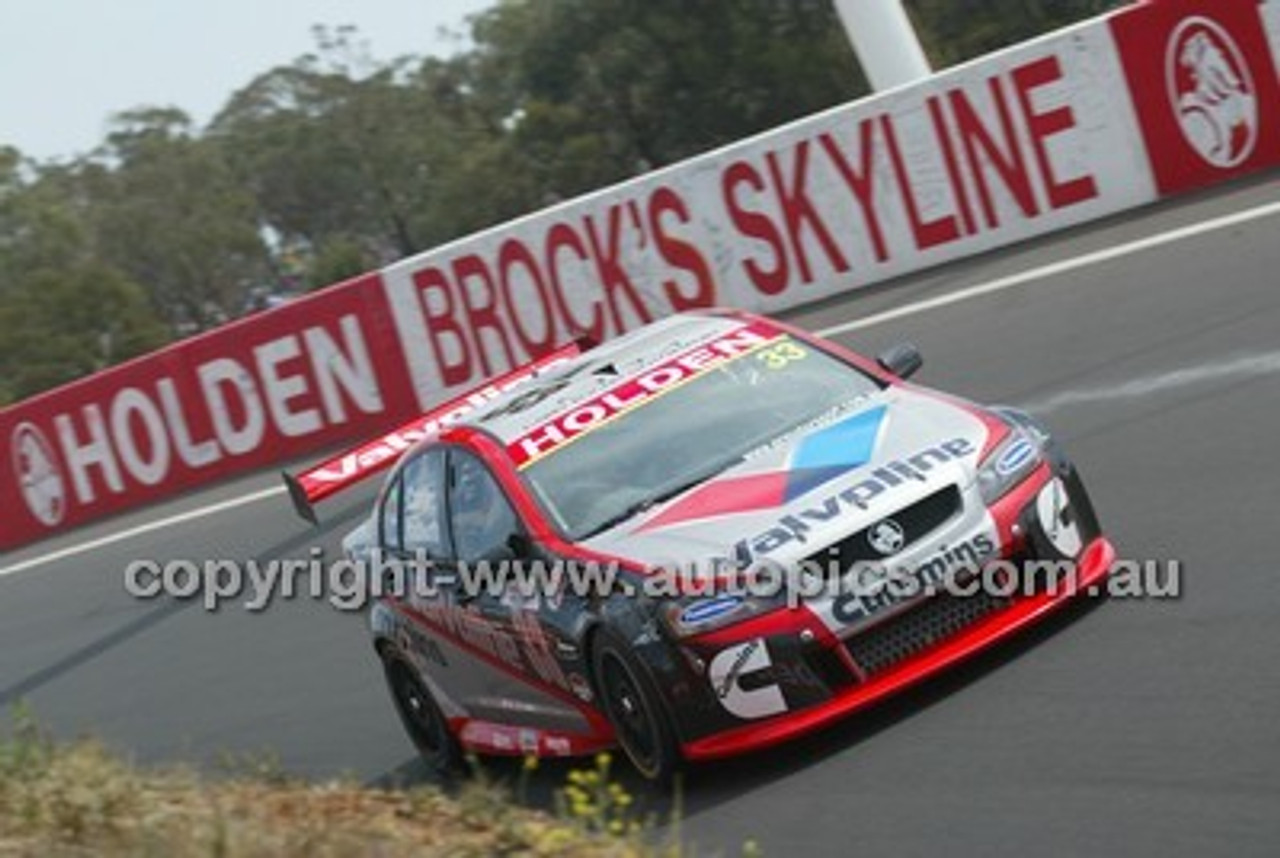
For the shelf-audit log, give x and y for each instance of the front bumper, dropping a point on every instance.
(822, 678)
(1094, 566)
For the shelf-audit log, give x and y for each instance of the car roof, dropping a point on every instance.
(516, 413)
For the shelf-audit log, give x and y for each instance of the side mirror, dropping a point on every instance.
(902, 359)
(520, 546)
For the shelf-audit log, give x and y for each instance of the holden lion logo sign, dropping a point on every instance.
(38, 474)
(1212, 91)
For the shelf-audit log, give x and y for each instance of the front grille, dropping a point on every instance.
(917, 521)
(933, 620)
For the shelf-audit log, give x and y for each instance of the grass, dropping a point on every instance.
(79, 799)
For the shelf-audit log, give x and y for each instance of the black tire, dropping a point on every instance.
(631, 703)
(422, 718)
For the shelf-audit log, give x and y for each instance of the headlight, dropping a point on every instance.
(700, 614)
(1011, 462)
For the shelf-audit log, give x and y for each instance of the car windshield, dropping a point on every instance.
(675, 441)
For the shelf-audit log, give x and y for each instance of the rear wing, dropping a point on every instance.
(357, 464)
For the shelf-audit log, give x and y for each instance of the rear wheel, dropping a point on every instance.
(631, 703)
(422, 718)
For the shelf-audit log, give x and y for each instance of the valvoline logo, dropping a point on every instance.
(818, 459)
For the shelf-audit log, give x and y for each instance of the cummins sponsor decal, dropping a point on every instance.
(727, 671)
(874, 588)
(1053, 505)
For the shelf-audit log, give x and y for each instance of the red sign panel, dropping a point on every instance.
(1204, 85)
(314, 373)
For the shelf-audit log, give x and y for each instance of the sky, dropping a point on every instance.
(67, 65)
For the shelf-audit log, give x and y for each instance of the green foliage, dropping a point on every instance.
(958, 30)
(598, 802)
(336, 163)
(338, 258)
(78, 798)
(39, 227)
(59, 324)
(597, 91)
(65, 311)
(171, 215)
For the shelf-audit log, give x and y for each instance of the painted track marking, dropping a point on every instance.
(169, 521)
(1045, 271)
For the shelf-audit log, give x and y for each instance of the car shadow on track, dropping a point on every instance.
(150, 618)
(706, 786)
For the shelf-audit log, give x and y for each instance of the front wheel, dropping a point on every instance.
(632, 706)
(422, 718)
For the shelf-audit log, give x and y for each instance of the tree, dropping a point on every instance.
(340, 151)
(60, 324)
(598, 90)
(337, 163)
(63, 311)
(168, 213)
(956, 30)
(39, 225)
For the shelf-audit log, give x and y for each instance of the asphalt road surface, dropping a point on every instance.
(1151, 343)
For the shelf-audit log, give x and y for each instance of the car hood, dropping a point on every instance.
(811, 486)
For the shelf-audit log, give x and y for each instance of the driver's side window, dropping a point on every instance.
(423, 501)
(389, 523)
(482, 519)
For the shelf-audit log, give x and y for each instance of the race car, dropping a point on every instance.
(707, 536)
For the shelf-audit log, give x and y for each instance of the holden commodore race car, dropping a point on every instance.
(706, 536)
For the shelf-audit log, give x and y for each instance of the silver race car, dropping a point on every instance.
(707, 536)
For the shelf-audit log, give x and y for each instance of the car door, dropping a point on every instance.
(417, 569)
(504, 626)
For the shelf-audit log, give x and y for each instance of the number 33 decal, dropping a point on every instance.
(777, 357)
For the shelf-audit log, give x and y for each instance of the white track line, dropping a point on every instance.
(1234, 367)
(190, 515)
(976, 291)
(1054, 268)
